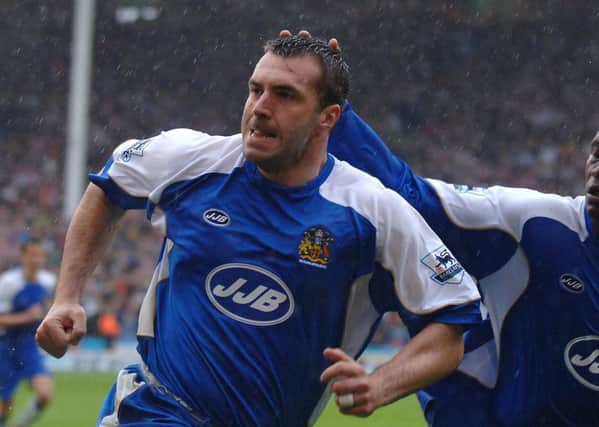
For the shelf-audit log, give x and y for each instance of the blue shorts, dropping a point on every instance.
(22, 362)
(134, 401)
(9, 378)
(458, 400)
(29, 360)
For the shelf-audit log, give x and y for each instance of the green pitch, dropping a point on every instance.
(78, 398)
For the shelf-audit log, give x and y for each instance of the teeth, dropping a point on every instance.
(261, 134)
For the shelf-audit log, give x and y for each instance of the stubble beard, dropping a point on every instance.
(294, 149)
(284, 161)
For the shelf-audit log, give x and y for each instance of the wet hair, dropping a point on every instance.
(334, 85)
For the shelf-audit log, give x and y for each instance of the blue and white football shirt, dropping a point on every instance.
(17, 294)
(20, 357)
(255, 279)
(535, 360)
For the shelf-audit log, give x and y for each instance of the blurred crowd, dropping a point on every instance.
(467, 97)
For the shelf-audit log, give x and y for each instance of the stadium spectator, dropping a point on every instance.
(269, 246)
(536, 259)
(23, 293)
(108, 325)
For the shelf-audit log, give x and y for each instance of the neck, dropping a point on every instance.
(305, 169)
(30, 274)
(298, 174)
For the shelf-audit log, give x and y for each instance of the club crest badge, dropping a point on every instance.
(447, 270)
(315, 247)
(136, 149)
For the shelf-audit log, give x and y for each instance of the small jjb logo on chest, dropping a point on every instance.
(216, 217)
(572, 283)
(315, 247)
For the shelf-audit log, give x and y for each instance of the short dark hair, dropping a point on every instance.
(30, 241)
(334, 86)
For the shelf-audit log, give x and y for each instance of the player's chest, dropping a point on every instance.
(30, 294)
(233, 221)
(260, 257)
(564, 269)
(567, 280)
(565, 294)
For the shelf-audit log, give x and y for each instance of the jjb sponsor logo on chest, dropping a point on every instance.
(249, 294)
(572, 283)
(216, 217)
(581, 356)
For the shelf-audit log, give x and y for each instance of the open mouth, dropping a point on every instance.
(262, 133)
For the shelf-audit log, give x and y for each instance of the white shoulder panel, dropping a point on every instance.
(47, 279)
(404, 240)
(11, 282)
(144, 168)
(508, 209)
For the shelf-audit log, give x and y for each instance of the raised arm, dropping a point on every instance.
(90, 232)
(431, 355)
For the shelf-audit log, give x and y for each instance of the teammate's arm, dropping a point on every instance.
(428, 357)
(592, 184)
(32, 314)
(89, 234)
(407, 251)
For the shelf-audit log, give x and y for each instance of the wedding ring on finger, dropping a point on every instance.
(346, 400)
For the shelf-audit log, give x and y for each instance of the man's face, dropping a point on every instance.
(281, 112)
(33, 257)
(592, 183)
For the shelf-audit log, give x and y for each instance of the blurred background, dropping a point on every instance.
(469, 91)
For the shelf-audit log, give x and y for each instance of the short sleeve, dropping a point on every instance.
(506, 208)
(139, 170)
(6, 293)
(48, 280)
(138, 167)
(426, 275)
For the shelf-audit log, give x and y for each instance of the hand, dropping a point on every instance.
(64, 325)
(592, 184)
(350, 378)
(333, 43)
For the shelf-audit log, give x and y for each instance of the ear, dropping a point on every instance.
(595, 146)
(330, 115)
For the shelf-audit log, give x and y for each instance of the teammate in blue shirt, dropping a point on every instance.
(534, 361)
(23, 293)
(269, 246)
